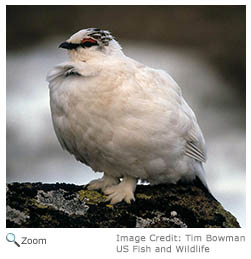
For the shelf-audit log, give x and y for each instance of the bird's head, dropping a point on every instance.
(91, 43)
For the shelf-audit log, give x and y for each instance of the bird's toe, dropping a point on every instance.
(117, 194)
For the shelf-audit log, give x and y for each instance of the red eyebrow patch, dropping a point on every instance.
(88, 40)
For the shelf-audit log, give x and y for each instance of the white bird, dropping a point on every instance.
(122, 118)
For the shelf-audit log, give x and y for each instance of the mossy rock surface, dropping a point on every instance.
(68, 205)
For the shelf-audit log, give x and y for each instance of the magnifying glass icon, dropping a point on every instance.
(10, 237)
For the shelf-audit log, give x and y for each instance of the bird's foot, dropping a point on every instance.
(123, 191)
(103, 183)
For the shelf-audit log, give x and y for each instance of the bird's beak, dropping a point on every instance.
(65, 45)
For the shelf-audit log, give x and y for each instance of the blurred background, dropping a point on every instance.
(202, 47)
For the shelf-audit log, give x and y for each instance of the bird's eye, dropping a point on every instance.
(88, 42)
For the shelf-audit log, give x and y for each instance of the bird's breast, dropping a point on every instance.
(113, 123)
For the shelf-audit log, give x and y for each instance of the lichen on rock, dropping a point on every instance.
(91, 197)
(59, 200)
(16, 216)
(69, 205)
(160, 220)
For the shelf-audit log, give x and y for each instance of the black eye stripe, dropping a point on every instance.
(86, 44)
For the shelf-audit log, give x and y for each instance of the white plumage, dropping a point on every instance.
(122, 118)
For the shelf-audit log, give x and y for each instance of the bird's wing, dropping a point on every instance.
(188, 126)
(195, 143)
(159, 79)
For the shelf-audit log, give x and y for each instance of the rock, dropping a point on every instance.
(68, 205)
